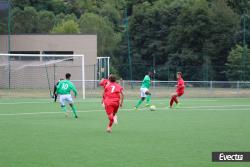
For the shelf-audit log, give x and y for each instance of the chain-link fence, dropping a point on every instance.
(163, 89)
(159, 89)
(193, 73)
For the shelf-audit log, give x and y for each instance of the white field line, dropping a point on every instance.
(28, 102)
(45, 101)
(41, 113)
(225, 107)
(97, 101)
(219, 106)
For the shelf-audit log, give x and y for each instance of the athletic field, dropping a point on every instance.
(35, 133)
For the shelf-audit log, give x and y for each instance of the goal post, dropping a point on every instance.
(103, 67)
(35, 73)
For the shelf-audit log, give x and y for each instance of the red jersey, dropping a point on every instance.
(180, 86)
(104, 82)
(112, 92)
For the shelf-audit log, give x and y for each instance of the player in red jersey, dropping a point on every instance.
(179, 90)
(103, 83)
(113, 94)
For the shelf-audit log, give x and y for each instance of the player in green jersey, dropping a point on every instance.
(63, 89)
(54, 91)
(145, 94)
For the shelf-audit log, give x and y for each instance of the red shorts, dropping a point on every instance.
(111, 108)
(179, 94)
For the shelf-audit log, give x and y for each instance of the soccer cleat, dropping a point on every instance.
(136, 108)
(76, 117)
(109, 130)
(147, 105)
(115, 120)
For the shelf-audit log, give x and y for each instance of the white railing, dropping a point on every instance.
(193, 88)
(159, 89)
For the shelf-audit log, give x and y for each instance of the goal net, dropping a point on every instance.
(103, 69)
(35, 75)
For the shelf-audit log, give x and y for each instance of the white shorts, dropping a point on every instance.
(65, 99)
(143, 92)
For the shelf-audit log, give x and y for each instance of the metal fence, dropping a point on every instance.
(159, 89)
(162, 89)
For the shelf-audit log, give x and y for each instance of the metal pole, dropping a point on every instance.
(95, 84)
(168, 73)
(9, 48)
(108, 67)
(211, 87)
(129, 49)
(54, 74)
(83, 77)
(244, 56)
(238, 87)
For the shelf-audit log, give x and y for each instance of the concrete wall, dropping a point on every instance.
(79, 44)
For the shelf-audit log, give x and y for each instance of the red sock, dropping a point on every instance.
(111, 119)
(173, 99)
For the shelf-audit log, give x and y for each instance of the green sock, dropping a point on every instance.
(138, 103)
(148, 98)
(74, 110)
(63, 108)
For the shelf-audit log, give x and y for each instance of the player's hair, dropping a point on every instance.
(112, 78)
(150, 72)
(67, 76)
(179, 73)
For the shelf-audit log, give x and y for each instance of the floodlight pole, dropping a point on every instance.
(129, 49)
(154, 66)
(244, 54)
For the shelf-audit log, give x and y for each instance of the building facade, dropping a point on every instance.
(38, 72)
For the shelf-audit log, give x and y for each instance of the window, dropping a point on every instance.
(25, 58)
(44, 58)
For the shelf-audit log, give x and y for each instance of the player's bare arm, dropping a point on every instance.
(121, 97)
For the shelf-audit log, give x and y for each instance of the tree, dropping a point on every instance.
(184, 35)
(20, 3)
(94, 24)
(225, 24)
(239, 6)
(67, 27)
(62, 18)
(234, 64)
(112, 14)
(46, 21)
(24, 21)
(4, 13)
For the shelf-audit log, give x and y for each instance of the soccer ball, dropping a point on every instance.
(152, 108)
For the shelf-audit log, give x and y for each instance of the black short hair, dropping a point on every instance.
(67, 76)
(112, 78)
(150, 74)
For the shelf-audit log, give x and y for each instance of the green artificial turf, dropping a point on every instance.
(35, 133)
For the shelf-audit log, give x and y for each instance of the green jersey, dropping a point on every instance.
(65, 86)
(146, 83)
